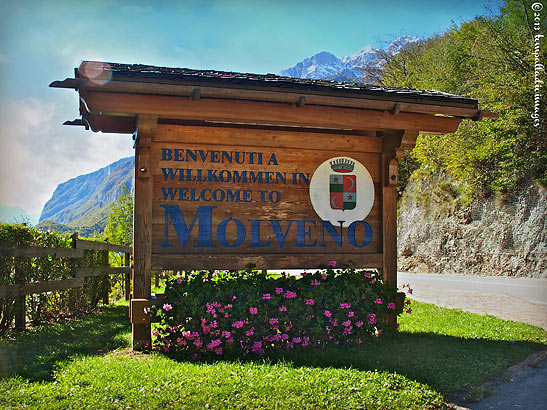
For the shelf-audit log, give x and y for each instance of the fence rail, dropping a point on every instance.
(18, 291)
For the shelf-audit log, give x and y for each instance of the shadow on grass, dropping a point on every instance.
(33, 355)
(445, 363)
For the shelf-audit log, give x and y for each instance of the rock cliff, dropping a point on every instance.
(494, 236)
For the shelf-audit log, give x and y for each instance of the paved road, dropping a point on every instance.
(521, 299)
(531, 290)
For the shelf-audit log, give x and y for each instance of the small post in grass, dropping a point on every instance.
(127, 282)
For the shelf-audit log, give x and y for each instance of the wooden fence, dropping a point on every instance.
(19, 290)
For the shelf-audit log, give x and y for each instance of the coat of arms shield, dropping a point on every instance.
(343, 191)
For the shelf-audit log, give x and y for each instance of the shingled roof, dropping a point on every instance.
(346, 89)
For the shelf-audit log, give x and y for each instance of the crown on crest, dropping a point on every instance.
(342, 165)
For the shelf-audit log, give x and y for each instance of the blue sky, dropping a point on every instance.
(42, 41)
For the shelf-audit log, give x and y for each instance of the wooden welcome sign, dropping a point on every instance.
(236, 169)
(230, 197)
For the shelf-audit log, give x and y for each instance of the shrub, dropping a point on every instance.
(48, 305)
(240, 313)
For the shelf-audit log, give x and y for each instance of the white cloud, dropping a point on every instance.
(37, 152)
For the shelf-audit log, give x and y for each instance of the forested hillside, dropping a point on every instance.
(491, 59)
(476, 200)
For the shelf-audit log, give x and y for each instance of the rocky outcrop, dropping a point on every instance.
(501, 237)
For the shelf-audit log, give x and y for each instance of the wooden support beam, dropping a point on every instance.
(13, 291)
(142, 222)
(127, 279)
(101, 246)
(273, 95)
(393, 148)
(107, 270)
(36, 252)
(264, 113)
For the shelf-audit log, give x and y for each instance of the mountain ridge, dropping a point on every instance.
(85, 200)
(351, 68)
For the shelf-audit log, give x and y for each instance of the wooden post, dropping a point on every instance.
(142, 222)
(106, 279)
(393, 147)
(20, 301)
(127, 281)
(74, 292)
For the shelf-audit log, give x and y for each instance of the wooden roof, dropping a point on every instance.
(113, 95)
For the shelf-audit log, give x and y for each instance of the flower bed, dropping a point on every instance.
(242, 313)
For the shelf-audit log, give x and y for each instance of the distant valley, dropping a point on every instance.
(83, 203)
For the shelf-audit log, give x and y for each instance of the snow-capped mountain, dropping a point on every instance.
(363, 66)
(319, 66)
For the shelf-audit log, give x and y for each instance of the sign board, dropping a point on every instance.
(229, 197)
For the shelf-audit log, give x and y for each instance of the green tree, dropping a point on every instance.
(490, 59)
(119, 229)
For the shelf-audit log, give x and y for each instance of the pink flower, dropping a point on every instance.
(323, 276)
(154, 333)
(315, 282)
(359, 324)
(410, 290)
(289, 295)
(253, 310)
(266, 296)
(285, 336)
(282, 308)
(310, 302)
(214, 344)
(351, 314)
(379, 332)
(327, 313)
(218, 351)
(378, 301)
(407, 302)
(332, 263)
(345, 306)
(346, 323)
(367, 275)
(296, 340)
(179, 281)
(279, 290)
(335, 322)
(409, 310)
(273, 321)
(226, 334)
(250, 332)
(391, 306)
(239, 324)
(167, 307)
(373, 281)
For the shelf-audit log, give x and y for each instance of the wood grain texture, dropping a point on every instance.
(142, 222)
(281, 261)
(36, 252)
(264, 113)
(101, 246)
(275, 96)
(293, 207)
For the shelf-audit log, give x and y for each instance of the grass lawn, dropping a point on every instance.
(86, 364)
